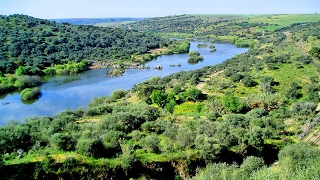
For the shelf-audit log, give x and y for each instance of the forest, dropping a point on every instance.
(254, 116)
(31, 47)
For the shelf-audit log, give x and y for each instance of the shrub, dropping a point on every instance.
(27, 81)
(151, 143)
(118, 94)
(193, 94)
(232, 103)
(248, 81)
(304, 108)
(89, 147)
(293, 91)
(257, 113)
(61, 141)
(304, 59)
(28, 93)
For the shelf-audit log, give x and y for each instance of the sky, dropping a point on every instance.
(55, 9)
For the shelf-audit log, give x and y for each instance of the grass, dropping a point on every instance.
(287, 73)
(187, 108)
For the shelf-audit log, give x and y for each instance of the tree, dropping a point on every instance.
(28, 93)
(170, 106)
(151, 143)
(21, 71)
(232, 103)
(61, 141)
(248, 81)
(193, 94)
(90, 147)
(293, 91)
(158, 97)
(250, 165)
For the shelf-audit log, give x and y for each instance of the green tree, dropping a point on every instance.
(90, 147)
(232, 103)
(158, 97)
(151, 143)
(250, 165)
(28, 93)
(21, 71)
(61, 141)
(193, 94)
(170, 106)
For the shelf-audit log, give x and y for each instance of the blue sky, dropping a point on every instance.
(51, 9)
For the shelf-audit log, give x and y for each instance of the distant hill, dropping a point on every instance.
(28, 41)
(94, 21)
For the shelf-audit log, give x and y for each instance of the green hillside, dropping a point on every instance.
(35, 47)
(246, 118)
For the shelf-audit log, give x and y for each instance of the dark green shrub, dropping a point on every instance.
(248, 81)
(257, 113)
(304, 108)
(151, 143)
(61, 141)
(90, 147)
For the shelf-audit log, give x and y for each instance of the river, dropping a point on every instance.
(73, 91)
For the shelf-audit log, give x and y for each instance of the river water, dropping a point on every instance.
(72, 91)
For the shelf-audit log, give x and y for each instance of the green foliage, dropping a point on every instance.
(193, 94)
(23, 82)
(90, 147)
(178, 47)
(304, 108)
(248, 81)
(159, 97)
(118, 94)
(28, 93)
(304, 59)
(61, 141)
(194, 57)
(170, 106)
(149, 57)
(47, 42)
(232, 103)
(292, 92)
(315, 51)
(151, 143)
(251, 164)
(298, 155)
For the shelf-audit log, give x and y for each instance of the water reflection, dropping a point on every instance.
(62, 92)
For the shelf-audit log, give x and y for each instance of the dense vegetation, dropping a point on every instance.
(30, 46)
(27, 41)
(230, 121)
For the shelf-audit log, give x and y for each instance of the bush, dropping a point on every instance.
(257, 113)
(304, 108)
(151, 143)
(170, 106)
(61, 141)
(304, 59)
(193, 94)
(248, 81)
(118, 94)
(250, 165)
(236, 77)
(232, 103)
(293, 91)
(28, 93)
(27, 81)
(90, 147)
